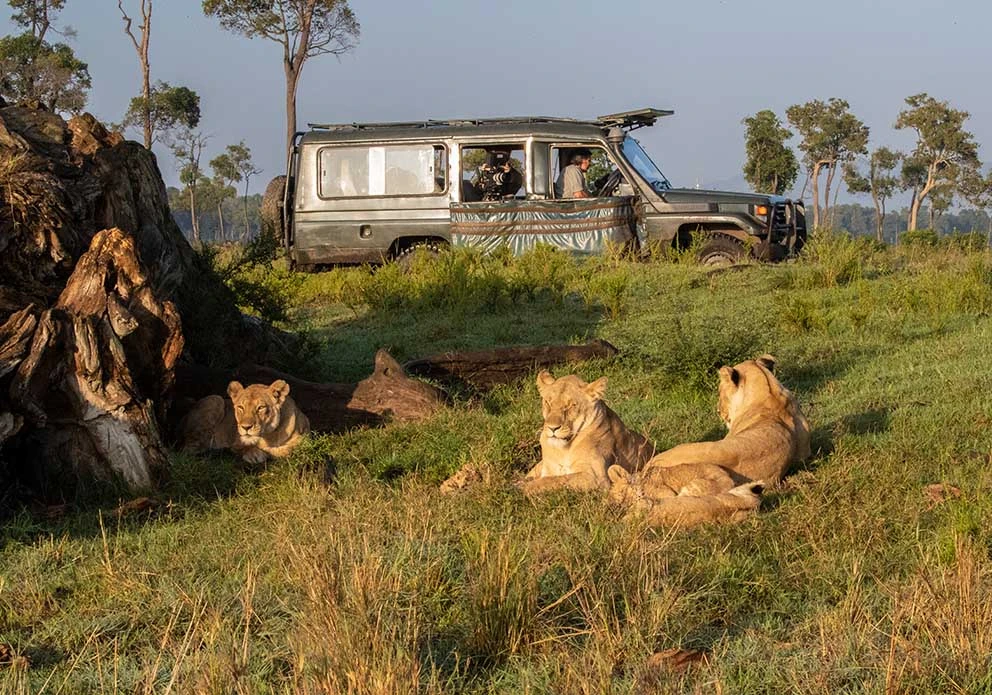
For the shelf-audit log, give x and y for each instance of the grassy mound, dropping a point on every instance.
(342, 569)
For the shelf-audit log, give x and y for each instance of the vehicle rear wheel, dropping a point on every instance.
(405, 257)
(717, 249)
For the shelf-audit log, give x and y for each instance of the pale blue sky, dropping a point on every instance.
(713, 61)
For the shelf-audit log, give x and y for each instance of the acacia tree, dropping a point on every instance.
(944, 151)
(164, 110)
(225, 175)
(881, 182)
(977, 190)
(240, 155)
(187, 149)
(770, 166)
(33, 69)
(303, 28)
(831, 136)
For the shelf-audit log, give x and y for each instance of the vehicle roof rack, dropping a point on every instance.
(625, 119)
(448, 122)
(634, 119)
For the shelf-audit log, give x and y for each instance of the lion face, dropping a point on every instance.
(567, 404)
(257, 408)
(746, 384)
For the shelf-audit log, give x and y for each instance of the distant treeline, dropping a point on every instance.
(232, 212)
(859, 220)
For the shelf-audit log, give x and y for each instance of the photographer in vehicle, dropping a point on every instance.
(497, 178)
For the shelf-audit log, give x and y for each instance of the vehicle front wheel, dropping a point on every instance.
(717, 249)
(405, 258)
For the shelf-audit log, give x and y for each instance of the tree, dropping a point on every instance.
(35, 70)
(831, 136)
(944, 150)
(225, 174)
(165, 109)
(304, 28)
(37, 16)
(977, 190)
(881, 182)
(187, 149)
(770, 166)
(240, 155)
(141, 47)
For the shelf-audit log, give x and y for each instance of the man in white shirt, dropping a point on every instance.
(572, 182)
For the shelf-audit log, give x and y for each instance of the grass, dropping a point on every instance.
(850, 580)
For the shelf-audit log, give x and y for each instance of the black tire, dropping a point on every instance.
(405, 257)
(717, 249)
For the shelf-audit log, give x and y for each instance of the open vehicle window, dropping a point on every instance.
(493, 171)
(394, 170)
(599, 169)
(642, 163)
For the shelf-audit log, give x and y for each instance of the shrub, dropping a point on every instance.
(919, 237)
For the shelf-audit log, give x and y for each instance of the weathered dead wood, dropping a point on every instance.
(487, 368)
(97, 372)
(388, 394)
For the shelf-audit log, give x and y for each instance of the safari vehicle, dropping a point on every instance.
(372, 192)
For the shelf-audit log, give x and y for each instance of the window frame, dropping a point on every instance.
(366, 146)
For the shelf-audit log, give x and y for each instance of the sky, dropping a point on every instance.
(713, 61)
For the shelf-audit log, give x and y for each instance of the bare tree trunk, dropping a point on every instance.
(292, 80)
(220, 218)
(247, 228)
(879, 217)
(142, 50)
(192, 215)
(815, 181)
(827, 220)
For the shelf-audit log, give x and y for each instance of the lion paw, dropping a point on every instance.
(254, 456)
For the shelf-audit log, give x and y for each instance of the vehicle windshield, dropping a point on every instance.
(639, 159)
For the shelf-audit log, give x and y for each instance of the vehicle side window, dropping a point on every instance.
(600, 167)
(392, 170)
(493, 171)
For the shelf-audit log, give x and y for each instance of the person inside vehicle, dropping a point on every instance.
(572, 182)
(497, 178)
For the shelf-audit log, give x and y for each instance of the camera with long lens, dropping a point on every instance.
(497, 179)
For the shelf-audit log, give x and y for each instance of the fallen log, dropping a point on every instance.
(388, 394)
(488, 368)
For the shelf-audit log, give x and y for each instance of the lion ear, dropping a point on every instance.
(544, 378)
(768, 362)
(279, 390)
(617, 474)
(234, 388)
(597, 389)
(730, 374)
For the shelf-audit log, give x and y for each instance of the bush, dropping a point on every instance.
(919, 237)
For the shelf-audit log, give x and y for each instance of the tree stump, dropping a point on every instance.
(90, 376)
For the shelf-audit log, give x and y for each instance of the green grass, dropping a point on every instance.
(850, 580)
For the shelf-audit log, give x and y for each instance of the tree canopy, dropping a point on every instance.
(167, 109)
(304, 28)
(770, 166)
(944, 151)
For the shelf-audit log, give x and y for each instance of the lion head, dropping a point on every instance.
(257, 408)
(567, 404)
(629, 491)
(747, 385)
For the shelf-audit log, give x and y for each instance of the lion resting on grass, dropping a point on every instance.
(766, 433)
(702, 500)
(721, 481)
(257, 422)
(581, 437)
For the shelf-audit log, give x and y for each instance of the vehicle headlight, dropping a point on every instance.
(761, 210)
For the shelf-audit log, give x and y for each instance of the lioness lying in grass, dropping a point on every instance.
(256, 422)
(581, 437)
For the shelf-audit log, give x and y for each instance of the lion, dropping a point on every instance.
(766, 429)
(256, 422)
(717, 501)
(581, 437)
(631, 489)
